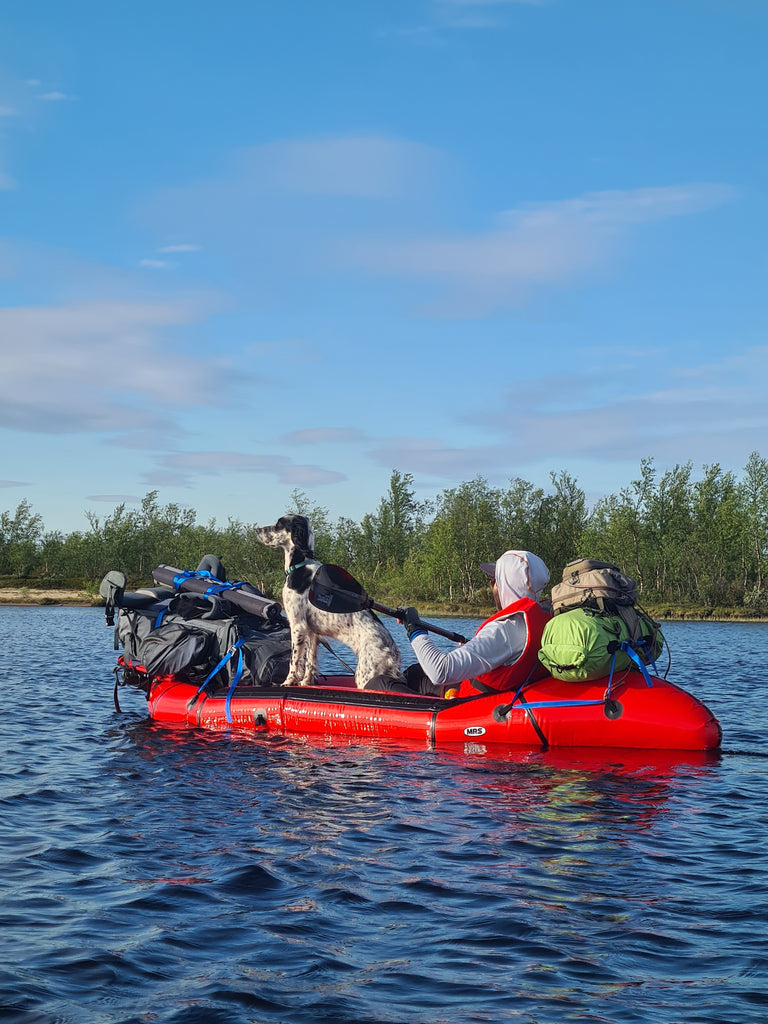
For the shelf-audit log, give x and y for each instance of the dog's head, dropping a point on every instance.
(291, 533)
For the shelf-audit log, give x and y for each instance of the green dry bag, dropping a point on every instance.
(575, 645)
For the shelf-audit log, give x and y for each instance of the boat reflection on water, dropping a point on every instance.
(322, 786)
(597, 787)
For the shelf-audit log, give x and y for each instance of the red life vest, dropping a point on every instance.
(506, 677)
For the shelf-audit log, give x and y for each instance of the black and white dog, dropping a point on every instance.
(361, 631)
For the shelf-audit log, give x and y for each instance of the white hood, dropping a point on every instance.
(520, 574)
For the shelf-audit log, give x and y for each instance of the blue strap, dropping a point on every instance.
(556, 704)
(159, 618)
(648, 654)
(634, 656)
(219, 588)
(624, 645)
(631, 653)
(223, 661)
(610, 675)
(534, 705)
(193, 574)
(237, 645)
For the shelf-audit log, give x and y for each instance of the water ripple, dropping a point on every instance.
(154, 875)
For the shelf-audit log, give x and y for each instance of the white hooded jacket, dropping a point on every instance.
(500, 642)
(520, 574)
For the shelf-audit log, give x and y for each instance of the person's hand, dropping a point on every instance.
(409, 618)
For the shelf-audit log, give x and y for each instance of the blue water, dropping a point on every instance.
(156, 876)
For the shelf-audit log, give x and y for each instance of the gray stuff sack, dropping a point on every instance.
(186, 641)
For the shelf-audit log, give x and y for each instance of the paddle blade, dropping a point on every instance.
(335, 590)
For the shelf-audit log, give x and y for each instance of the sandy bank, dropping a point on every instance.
(32, 596)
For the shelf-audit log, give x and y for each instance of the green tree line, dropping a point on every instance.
(688, 540)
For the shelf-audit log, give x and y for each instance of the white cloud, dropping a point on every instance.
(325, 435)
(361, 166)
(707, 414)
(293, 350)
(285, 211)
(8, 111)
(529, 246)
(155, 264)
(54, 96)
(115, 499)
(181, 468)
(259, 191)
(66, 276)
(309, 476)
(455, 14)
(100, 366)
(713, 413)
(434, 458)
(180, 248)
(138, 439)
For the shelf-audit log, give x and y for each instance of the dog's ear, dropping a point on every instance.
(302, 534)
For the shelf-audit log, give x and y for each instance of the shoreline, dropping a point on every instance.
(24, 597)
(33, 597)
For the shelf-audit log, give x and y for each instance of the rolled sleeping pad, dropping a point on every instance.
(242, 595)
(142, 598)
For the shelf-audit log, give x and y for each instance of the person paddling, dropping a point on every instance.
(504, 650)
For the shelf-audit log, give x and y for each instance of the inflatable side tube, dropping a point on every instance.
(242, 595)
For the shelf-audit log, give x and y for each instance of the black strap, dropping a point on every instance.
(116, 670)
(482, 687)
(504, 709)
(534, 723)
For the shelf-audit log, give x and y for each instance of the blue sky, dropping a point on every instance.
(250, 247)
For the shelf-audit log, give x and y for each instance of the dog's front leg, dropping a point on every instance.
(310, 660)
(296, 669)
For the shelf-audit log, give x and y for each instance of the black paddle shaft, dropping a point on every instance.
(398, 613)
(336, 591)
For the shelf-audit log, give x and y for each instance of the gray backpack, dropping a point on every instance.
(604, 589)
(588, 583)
